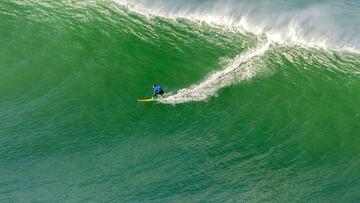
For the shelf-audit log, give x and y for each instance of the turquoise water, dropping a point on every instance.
(262, 101)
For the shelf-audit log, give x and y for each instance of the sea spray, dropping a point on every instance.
(237, 70)
(310, 24)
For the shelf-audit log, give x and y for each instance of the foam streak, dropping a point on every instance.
(237, 70)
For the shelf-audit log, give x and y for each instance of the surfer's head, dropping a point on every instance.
(154, 85)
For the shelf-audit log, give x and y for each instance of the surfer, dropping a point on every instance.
(158, 90)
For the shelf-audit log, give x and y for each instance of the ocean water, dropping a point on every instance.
(262, 101)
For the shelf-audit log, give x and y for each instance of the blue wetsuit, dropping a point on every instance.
(158, 90)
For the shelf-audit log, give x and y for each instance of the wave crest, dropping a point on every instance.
(309, 25)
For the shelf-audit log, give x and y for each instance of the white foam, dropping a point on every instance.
(312, 26)
(240, 68)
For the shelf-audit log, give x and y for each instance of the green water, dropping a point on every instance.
(72, 131)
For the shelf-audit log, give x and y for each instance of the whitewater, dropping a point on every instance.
(311, 25)
(240, 68)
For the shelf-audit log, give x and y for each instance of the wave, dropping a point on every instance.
(274, 26)
(238, 69)
(307, 25)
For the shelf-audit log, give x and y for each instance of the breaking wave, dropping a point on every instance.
(307, 25)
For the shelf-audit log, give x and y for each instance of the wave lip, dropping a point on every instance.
(237, 70)
(311, 25)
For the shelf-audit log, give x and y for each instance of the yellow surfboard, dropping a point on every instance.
(145, 100)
